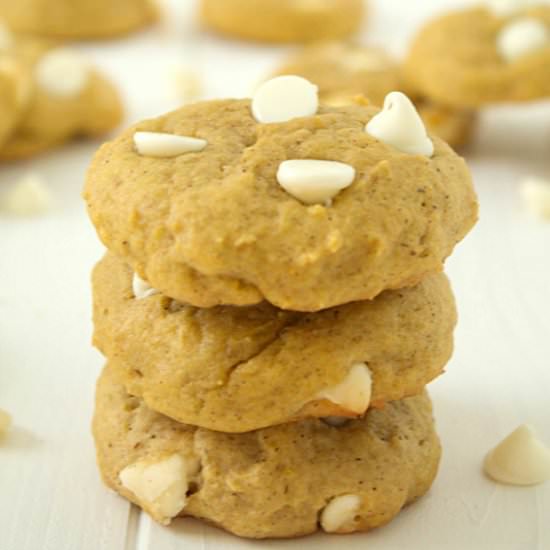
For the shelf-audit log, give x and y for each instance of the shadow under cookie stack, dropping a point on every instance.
(272, 307)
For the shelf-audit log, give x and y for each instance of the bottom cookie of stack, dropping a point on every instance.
(282, 481)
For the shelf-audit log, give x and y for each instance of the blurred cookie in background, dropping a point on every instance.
(343, 71)
(14, 89)
(51, 95)
(496, 52)
(77, 18)
(283, 20)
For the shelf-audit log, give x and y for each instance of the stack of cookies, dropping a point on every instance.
(272, 306)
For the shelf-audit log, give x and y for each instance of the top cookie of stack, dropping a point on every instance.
(280, 199)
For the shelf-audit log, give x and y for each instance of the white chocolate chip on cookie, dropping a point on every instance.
(314, 181)
(141, 288)
(28, 197)
(160, 486)
(354, 392)
(339, 513)
(519, 459)
(536, 195)
(284, 98)
(400, 125)
(5, 422)
(161, 145)
(62, 73)
(522, 37)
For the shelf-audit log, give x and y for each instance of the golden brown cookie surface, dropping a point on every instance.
(344, 70)
(14, 86)
(216, 227)
(237, 369)
(276, 482)
(456, 59)
(77, 18)
(283, 20)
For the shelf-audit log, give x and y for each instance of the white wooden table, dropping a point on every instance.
(50, 494)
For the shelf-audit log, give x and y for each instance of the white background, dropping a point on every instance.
(50, 494)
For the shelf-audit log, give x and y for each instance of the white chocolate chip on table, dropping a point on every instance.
(354, 392)
(160, 486)
(142, 289)
(519, 459)
(400, 125)
(283, 98)
(314, 181)
(62, 73)
(535, 193)
(187, 84)
(162, 145)
(28, 197)
(5, 422)
(521, 37)
(338, 514)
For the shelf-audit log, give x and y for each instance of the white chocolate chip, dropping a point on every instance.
(5, 422)
(62, 73)
(400, 125)
(141, 288)
(187, 84)
(536, 196)
(283, 98)
(521, 37)
(161, 145)
(519, 459)
(6, 37)
(161, 486)
(339, 512)
(314, 181)
(354, 392)
(28, 197)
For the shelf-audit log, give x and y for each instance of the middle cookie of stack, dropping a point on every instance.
(236, 369)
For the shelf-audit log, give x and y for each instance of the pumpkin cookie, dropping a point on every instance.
(277, 482)
(305, 206)
(66, 98)
(77, 18)
(283, 20)
(344, 70)
(14, 90)
(479, 56)
(236, 369)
